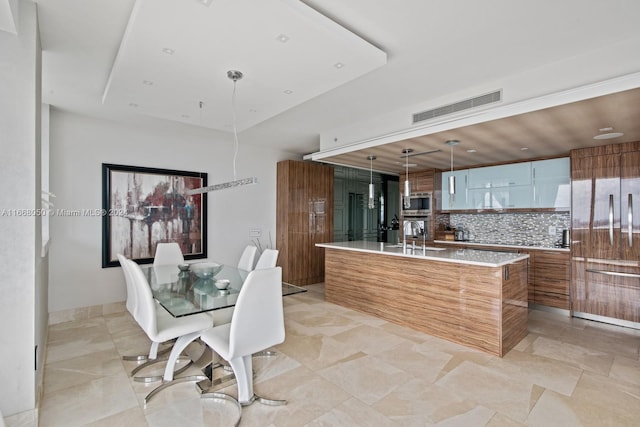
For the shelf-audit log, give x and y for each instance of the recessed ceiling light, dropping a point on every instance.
(253, 110)
(168, 51)
(147, 82)
(471, 150)
(282, 38)
(205, 2)
(133, 105)
(288, 92)
(608, 135)
(338, 65)
(524, 148)
(607, 129)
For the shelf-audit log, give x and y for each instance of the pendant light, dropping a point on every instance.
(235, 76)
(372, 190)
(452, 179)
(407, 187)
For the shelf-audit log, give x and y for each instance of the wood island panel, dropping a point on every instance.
(549, 274)
(472, 305)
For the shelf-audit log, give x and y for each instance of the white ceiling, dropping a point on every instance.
(7, 18)
(107, 49)
(176, 54)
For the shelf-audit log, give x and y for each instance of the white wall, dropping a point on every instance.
(79, 145)
(22, 284)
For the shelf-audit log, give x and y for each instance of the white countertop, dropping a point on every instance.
(459, 256)
(498, 245)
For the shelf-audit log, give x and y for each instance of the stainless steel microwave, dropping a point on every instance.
(420, 204)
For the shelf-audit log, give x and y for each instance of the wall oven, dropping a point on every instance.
(420, 204)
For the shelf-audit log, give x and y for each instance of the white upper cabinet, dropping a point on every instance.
(538, 184)
(551, 183)
(500, 187)
(513, 197)
(460, 201)
(500, 176)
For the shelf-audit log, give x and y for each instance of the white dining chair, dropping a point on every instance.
(130, 302)
(155, 354)
(267, 259)
(248, 257)
(160, 327)
(256, 325)
(168, 254)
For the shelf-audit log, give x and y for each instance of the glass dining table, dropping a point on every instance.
(182, 293)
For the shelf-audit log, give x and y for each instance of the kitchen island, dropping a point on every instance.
(472, 297)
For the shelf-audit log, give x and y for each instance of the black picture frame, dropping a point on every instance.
(143, 206)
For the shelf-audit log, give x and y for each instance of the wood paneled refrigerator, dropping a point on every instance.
(605, 233)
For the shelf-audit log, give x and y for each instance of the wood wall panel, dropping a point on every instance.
(458, 302)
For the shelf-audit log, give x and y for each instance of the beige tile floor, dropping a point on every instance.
(338, 367)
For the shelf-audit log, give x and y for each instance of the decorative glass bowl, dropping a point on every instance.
(222, 284)
(206, 270)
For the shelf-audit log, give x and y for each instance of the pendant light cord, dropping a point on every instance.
(406, 162)
(451, 158)
(371, 170)
(235, 129)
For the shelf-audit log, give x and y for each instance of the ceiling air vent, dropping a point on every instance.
(485, 99)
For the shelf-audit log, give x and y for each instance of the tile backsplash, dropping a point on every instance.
(525, 229)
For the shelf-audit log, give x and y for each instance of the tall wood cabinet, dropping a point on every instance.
(304, 217)
(605, 227)
(421, 182)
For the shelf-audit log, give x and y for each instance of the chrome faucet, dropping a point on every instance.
(408, 226)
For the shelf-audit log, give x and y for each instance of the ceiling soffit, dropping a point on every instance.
(175, 55)
(548, 132)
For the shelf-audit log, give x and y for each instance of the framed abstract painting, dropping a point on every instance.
(146, 206)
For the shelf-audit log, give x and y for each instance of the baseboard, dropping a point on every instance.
(84, 313)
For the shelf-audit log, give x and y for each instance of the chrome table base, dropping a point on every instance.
(208, 388)
(255, 398)
(153, 378)
(172, 382)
